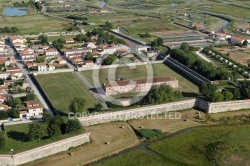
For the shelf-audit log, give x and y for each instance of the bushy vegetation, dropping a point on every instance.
(150, 134)
(191, 60)
(9, 30)
(105, 37)
(110, 59)
(211, 93)
(162, 93)
(77, 17)
(53, 127)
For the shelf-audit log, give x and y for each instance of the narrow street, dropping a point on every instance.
(100, 97)
(26, 76)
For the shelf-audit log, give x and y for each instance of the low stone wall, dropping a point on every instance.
(228, 106)
(44, 151)
(136, 113)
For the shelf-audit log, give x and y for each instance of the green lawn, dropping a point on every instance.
(137, 158)
(18, 139)
(62, 88)
(225, 145)
(138, 72)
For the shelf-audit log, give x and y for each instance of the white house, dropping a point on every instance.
(223, 36)
(4, 75)
(42, 66)
(79, 51)
(16, 39)
(51, 51)
(34, 110)
(4, 107)
(69, 40)
(90, 44)
(51, 67)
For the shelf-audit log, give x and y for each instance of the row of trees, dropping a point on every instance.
(53, 127)
(191, 60)
(157, 42)
(211, 93)
(105, 37)
(9, 30)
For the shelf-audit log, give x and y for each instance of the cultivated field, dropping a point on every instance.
(62, 88)
(100, 134)
(140, 71)
(240, 55)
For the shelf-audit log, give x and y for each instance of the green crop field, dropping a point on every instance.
(140, 71)
(62, 88)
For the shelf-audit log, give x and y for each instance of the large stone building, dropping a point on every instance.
(135, 86)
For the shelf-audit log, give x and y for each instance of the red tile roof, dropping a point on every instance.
(139, 81)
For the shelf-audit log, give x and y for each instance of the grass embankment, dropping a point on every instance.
(18, 139)
(62, 88)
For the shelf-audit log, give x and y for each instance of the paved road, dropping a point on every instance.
(100, 97)
(203, 56)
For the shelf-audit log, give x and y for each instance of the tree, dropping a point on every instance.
(98, 107)
(162, 93)
(89, 56)
(109, 25)
(72, 126)
(2, 139)
(13, 113)
(30, 96)
(37, 131)
(61, 40)
(56, 120)
(217, 97)
(46, 117)
(79, 37)
(236, 93)
(245, 90)
(3, 115)
(77, 105)
(227, 95)
(110, 59)
(207, 89)
(43, 39)
(245, 43)
(54, 131)
(160, 41)
(14, 102)
(185, 47)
